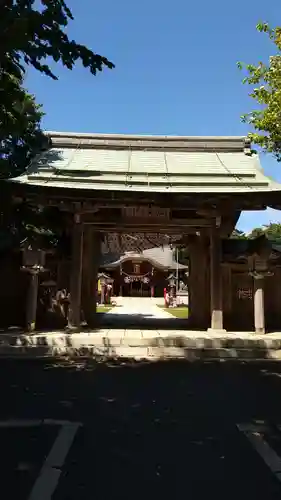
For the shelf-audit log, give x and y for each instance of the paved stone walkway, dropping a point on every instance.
(145, 307)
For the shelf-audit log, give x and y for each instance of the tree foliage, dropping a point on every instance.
(22, 136)
(272, 231)
(30, 34)
(256, 232)
(238, 235)
(265, 80)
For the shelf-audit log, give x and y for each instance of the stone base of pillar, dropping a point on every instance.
(73, 329)
(260, 331)
(220, 331)
(217, 320)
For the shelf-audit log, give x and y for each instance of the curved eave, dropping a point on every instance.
(120, 261)
(270, 197)
(153, 262)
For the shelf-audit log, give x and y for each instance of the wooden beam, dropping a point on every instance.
(137, 222)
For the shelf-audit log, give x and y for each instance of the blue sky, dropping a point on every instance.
(175, 71)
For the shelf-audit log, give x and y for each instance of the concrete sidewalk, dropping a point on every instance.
(142, 344)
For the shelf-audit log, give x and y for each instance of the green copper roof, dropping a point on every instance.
(148, 163)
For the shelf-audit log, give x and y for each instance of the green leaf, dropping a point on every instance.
(264, 81)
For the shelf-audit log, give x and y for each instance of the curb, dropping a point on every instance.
(190, 346)
(139, 353)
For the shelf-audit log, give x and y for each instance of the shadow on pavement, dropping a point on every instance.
(167, 428)
(144, 321)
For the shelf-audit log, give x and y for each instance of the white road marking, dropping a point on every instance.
(51, 421)
(62, 445)
(269, 456)
(48, 478)
(36, 423)
(45, 485)
(20, 423)
(255, 427)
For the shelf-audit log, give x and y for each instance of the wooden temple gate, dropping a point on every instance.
(205, 277)
(184, 189)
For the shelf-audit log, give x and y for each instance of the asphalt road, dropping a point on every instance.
(160, 430)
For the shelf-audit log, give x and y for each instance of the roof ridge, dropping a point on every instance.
(149, 142)
(89, 135)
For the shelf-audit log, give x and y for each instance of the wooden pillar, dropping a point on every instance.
(31, 306)
(198, 284)
(276, 280)
(227, 290)
(216, 280)
(259, 304)
(63, 271)
(91, 262)
(74, 316)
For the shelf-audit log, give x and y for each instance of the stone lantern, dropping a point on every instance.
(172, 280)
(33, 261)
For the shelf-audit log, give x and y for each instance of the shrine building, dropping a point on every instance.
(145, 273)
(132, 193)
